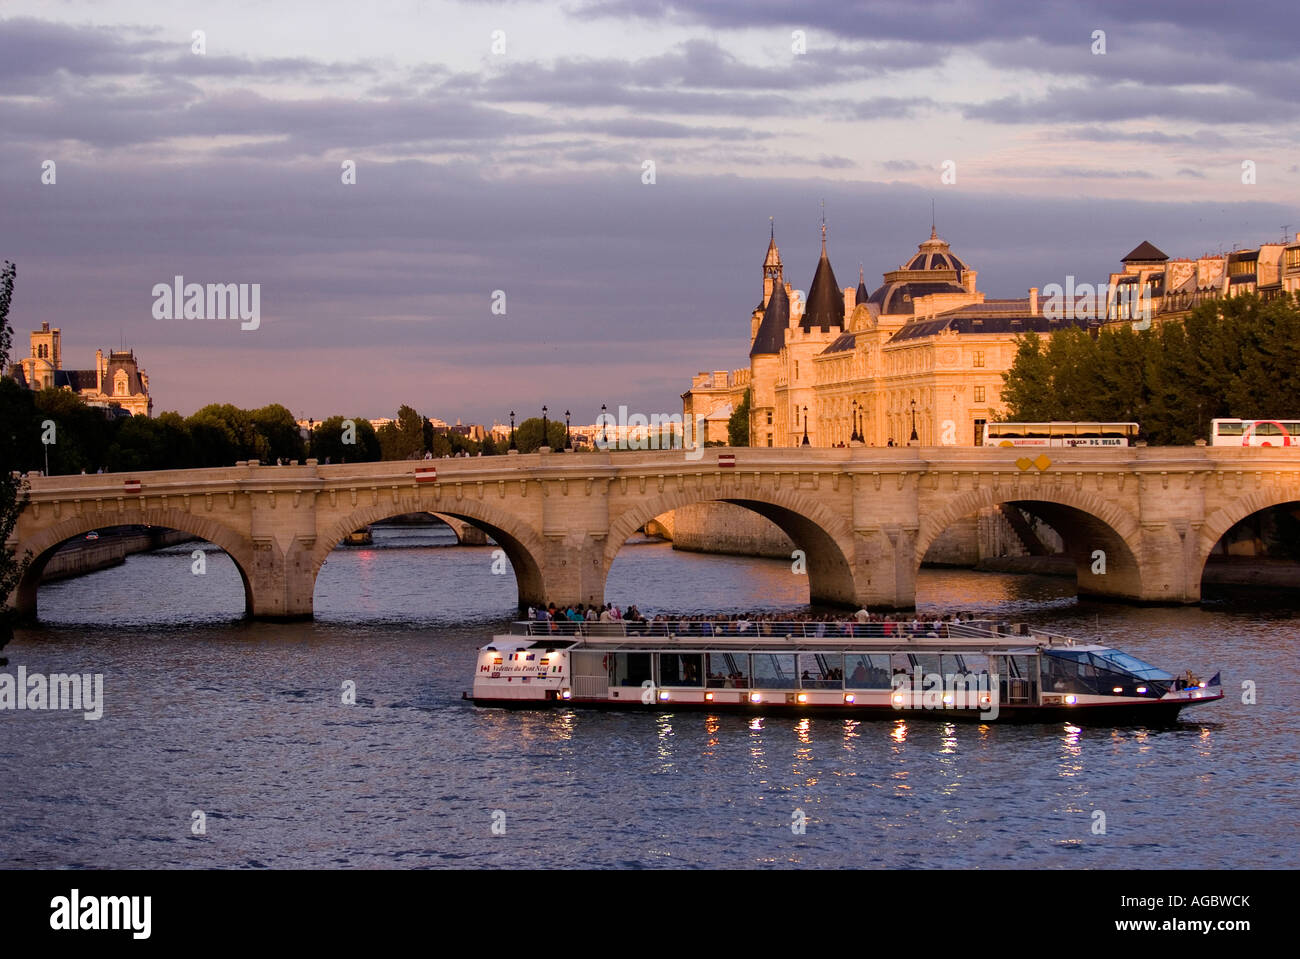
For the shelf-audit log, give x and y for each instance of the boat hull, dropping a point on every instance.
(1153, 713)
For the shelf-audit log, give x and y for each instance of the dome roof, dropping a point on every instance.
(895, 298)
(934, 254)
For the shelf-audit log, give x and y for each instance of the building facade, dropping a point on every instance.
(920, 360)
(116, 381)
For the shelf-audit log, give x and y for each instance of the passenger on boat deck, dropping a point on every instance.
(859, 674)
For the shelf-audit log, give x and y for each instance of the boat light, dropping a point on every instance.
(1071, 700)
(1202, 685)
(802, 697)
(986, 699)
(566, 694)
(1141, 690)
(948, 700)
(708, 697)
(1118, 689)
(848, 697)
(663, 695)
(898, 699)
(755, 698)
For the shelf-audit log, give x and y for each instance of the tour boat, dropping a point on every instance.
(982, 671)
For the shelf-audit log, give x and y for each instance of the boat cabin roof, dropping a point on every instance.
(770, 636)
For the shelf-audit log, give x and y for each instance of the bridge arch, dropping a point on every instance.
(1086, 522)
(522, 545)
(825, 538)
(1218, 523)
(43, 545)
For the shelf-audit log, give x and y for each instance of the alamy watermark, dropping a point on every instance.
(1083, 301)
(948, 691)
(214, 301)
(656, 431)
(73, 691)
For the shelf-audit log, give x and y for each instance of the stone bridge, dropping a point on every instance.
(863, 516)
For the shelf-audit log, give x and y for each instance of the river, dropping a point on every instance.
(245, 724)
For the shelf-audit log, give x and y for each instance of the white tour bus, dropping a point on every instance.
(1255, 432)
(1060, 434)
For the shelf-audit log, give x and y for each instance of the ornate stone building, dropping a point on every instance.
(116, 380)
(926, 351)
(848, 368)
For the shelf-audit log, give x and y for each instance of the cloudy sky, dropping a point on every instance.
(503, 146)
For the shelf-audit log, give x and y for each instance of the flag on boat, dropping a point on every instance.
(1214, 680)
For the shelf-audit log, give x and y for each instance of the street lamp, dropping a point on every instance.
(568, 440)
(513, 445)
(546, 432)
(914, 436)
(805, 428)
(855, 436)
(604, 427)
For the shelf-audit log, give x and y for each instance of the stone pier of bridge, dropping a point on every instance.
(1138, 522)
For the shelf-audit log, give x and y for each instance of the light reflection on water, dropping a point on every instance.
(245, 721)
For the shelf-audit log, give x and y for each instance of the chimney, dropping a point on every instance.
(1033, 301)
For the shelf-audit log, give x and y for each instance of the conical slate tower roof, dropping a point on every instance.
(825, 301)
(862, 294)
(771, 332)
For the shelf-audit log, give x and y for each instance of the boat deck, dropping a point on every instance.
(801, 635)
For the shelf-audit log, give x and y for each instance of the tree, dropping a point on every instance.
(738, 425)
(528, 435)
(12, 496)
(1236, 357)
(404, 438)
(224, 434)
(280, 430)
(328, 436)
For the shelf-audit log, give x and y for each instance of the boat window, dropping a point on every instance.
(821, 670)
(774, 670)
(1068, 672)
(926, 664)
(681, 669)
(728, 670)
(901, 665)
(866, 670)
(629, 669)
(1123, 662)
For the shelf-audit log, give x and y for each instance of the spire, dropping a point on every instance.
(862, 294)
(825, 300)
(934, 234)
(772, 267)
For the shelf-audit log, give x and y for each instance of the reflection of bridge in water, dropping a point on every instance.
(1138, 522)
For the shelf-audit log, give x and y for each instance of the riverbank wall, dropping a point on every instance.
(89, 556)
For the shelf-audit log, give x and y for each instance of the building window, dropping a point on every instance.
(979, 432)
(978, 360)
(769, 420)
(769, 439)
(979, 394)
